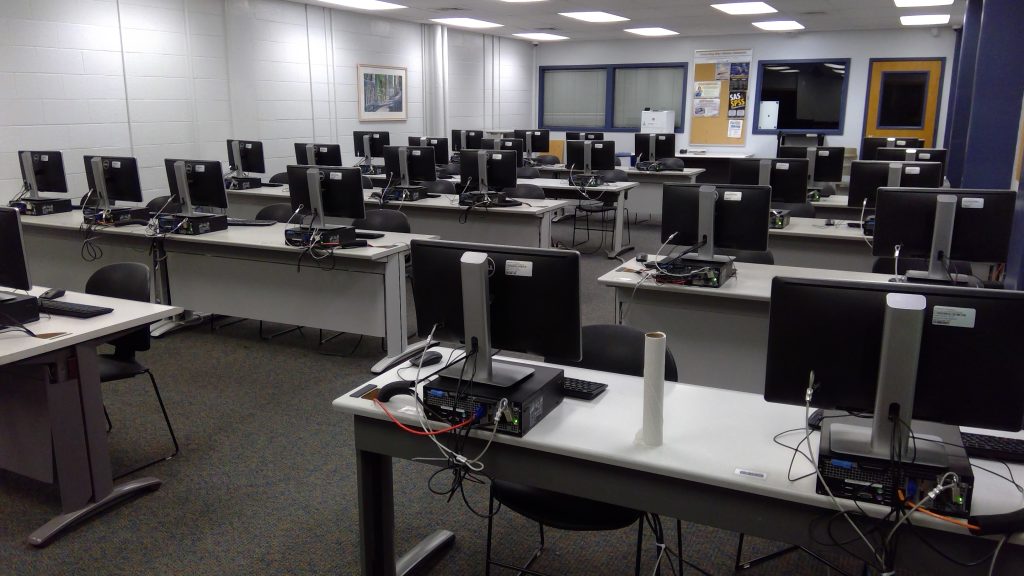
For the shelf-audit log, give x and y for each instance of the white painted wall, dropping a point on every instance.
(858, 46)
(162, 79)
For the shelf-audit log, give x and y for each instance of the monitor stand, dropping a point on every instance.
(476, 310)
(942, 241)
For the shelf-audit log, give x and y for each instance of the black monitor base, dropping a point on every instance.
(196, 224)
(42, 206)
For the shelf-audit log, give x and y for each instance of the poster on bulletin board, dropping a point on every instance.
(721, 78)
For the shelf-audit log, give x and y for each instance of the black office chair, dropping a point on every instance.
(279, 178)
(603, 207)
(161, 202)
(796, 209)
(526, 192)
(527, 173)
(749, 256)
(440, 187)
(367, 183)
(611, 348)
(672, 163)
(613, 175)
(384, 220)
(129, 281)
(447, 171)
(547, 159)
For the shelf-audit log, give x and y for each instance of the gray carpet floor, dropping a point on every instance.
(265, 480)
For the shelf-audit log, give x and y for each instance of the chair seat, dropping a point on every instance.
(596, 208)
(562, 511)
(112, 368)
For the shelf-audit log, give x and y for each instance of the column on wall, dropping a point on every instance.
(435, 79)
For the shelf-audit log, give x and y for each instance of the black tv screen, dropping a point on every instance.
(809, 95)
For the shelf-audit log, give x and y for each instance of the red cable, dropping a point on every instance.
(421, 432)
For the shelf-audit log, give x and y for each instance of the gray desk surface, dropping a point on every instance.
(816, 228)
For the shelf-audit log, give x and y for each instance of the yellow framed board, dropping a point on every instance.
(720, 85)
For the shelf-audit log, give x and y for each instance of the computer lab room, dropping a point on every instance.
(511, 287)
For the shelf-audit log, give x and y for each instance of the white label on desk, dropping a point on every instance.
(972, 203)
(924, 155)
(912, 170)
(417, 152)
(518, 268)
(751, 474)
(115, 164)
(732, 196)
(955, 317)
(335, 175)
(782, 166)
(44, 157)
(822, 152)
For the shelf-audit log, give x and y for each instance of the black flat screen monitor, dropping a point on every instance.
(511, 145)
(584, 135)
(664, 147)
(741, 215)
(251, 152)
(378, 140)
(870, 145)
(914, 155)
(534, 140)
(501, 171)
(786, 176)
(323, 154)
(809, 94)
(121, 176)
(981, 227)
(205, 182)
(13, 265)
(987, 391)
(440, 146)
(48, 168)
(472, 139)
(341, 191)
(549, 326)
(602, 155)
(828, 161)
(867, 176)
(419, 163)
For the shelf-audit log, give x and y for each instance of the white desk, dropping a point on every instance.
(808, 243)
(526, 225)
(247, 272)
(52, 427)
(714, 155)
(587, 449)
(835, 207)
(719, 336)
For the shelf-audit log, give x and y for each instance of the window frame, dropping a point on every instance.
(924, 98)
(842, 99)
(609, 100)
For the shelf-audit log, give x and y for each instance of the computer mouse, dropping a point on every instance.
(392, 389)
(429, 359)
(52, 293)
(830, 222)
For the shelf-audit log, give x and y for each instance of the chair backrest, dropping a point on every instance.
(279, 178)
(128, 281)
(613, 175)
(384, 220)
(440, 187)
(796, 210)
(526, 191)
(616, 348)
(887, 265)
(159, 202)
(548, 159)
(367, 182)
(672, 163)
(527, 172)
(278, 212)
(749, 256)
(453, 169)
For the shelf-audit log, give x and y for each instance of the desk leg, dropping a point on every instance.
(620, 217)
(163, 296)
(377, 522)
(79, 433)
(544, 241)
(396, 325)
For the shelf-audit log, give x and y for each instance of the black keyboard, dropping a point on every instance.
(369, 235)
(61, 308)
(583, 389)
(245, 222)
(993, 447)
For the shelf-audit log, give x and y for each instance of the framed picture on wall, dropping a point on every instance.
(382, 93)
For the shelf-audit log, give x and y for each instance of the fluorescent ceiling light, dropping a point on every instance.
(525, 1)
(777, 68)
(594, 16)
(835, 66)
(738, 8)
(652, 31)
(466, 22)
(779, 25)
(787, 71)
(365, 4)
(920, 3)
(924, 19)
(539, 35)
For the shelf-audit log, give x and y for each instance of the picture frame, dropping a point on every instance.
(382, 93)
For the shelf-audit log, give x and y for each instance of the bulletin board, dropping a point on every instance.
(720, 84)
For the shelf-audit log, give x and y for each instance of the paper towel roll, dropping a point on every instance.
(654, 390)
